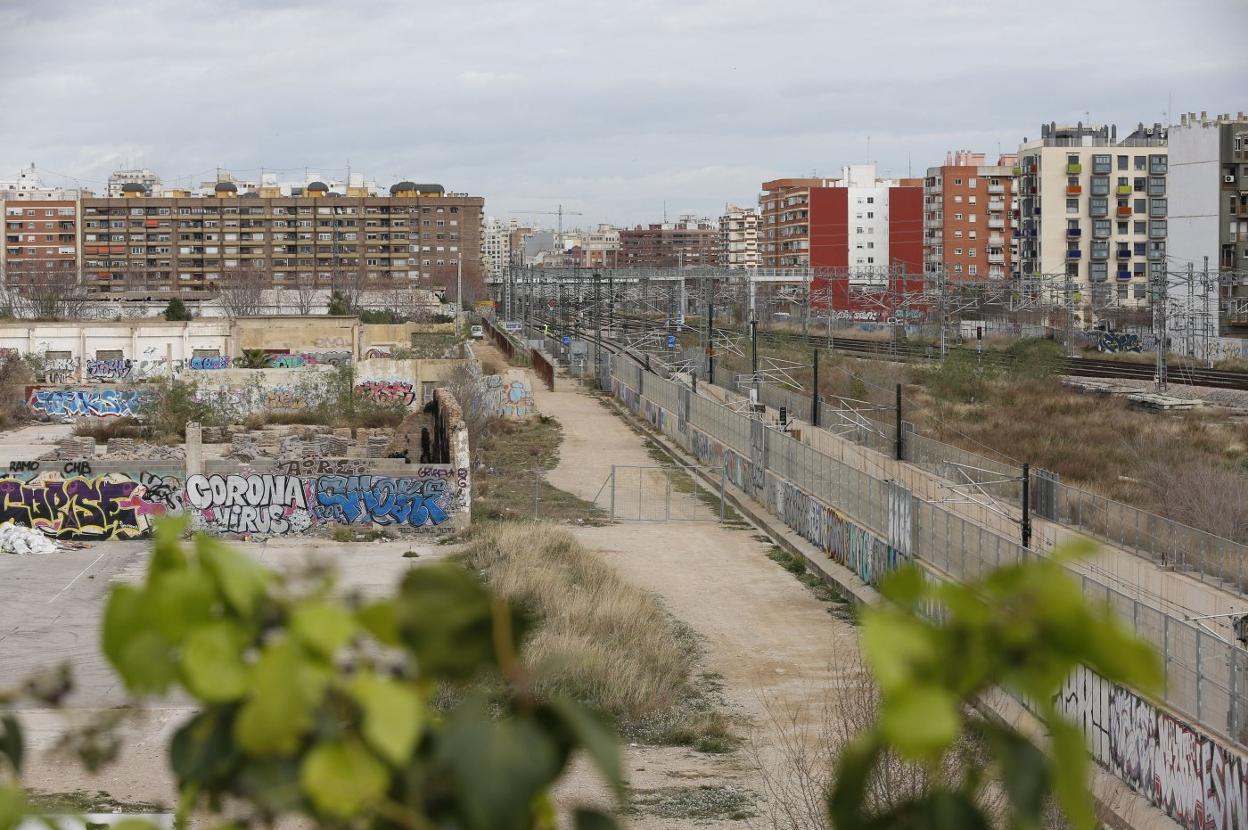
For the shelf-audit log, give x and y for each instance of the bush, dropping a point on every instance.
(1035, 358)
(961, 376)
(104, 430)
(385, 315)
(177, 310)
(169, 413)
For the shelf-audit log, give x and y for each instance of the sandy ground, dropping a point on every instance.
(29, 442)
(51, 614)
(773, 643)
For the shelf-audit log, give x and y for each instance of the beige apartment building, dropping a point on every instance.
(738, 237)
(419, 236)
(1103, 224)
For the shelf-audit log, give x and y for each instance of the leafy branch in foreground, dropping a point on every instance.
(317, 708)
(935, 648)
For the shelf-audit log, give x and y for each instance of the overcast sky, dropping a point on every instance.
(611, 108)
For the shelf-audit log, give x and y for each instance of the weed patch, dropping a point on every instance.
(705, 802)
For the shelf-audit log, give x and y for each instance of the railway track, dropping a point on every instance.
(906, 352)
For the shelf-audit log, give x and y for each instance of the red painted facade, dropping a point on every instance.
(829, 227)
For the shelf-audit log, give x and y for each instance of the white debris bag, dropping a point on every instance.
(24, 540)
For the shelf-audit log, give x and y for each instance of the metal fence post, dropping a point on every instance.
(536, 483)
(723, 474)
(612, 491)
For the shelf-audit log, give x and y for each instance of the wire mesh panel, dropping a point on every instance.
(666, 493)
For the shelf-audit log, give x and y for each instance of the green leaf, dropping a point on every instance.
(342, 778)
(133, 643)
(202, 750)
(11, 743)
(286, 688)
(847, 799)
(167, 555)
(595, 737)
(920, 721)
(322, 626)
(393, 716)
(497, 767)
(12, 806)
(894, 644)
(380, 619)
(587, 818)
(446, 620)
(212, 662)
(1070, 772)
(271, 784)
(182, 599)
(904, 586)
(1024, 772)
(241, 580)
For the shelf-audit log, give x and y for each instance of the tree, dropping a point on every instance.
(349, 284)
(240, 291)
(338, 306)
(305, 292)
(322, 710)
(177, 310)
(47, 290)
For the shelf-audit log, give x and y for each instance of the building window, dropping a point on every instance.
(972, 270)
(957, 252)
(971, 183)
(1141, 228)
(1141, 206)
(1123, 162)
(957, 234)
(1072, 205)
(1141, 162)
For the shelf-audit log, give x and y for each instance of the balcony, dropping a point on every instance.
(996, 222)
(1123, 190)
(1074, 169)
(1073, 253)
(1123, 210)
(1124, 275)
(996, 239)
(1123, 253)
(996, 189)
(1074, 190)
(997, 258)
(1074, 233)
(996, 204)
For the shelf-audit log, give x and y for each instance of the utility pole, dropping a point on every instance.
(1026, 505)
(710, 335)
(597, 320)
(1160, 299)
(754, 356)
(900, 454)
(814, 389)
(1208, 319)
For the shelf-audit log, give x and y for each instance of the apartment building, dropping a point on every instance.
(968, 217)
(148, 181)
(39, 234)
(687, 243)
(601, 247)
(495, 248)
(1208, 240)
(419, 236)
(738, 237)
(1103, 226)
(859, 223)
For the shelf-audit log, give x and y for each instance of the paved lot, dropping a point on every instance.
(50, 608)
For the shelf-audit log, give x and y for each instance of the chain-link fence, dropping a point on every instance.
(1206, 674)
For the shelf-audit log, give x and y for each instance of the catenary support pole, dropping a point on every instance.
(900, 454)
(1027, 505)
(814, 391)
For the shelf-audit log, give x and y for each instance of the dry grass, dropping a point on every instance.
(598, 639)
(516, 455)
(103, 429)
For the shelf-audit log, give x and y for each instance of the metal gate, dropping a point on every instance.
(664, 493)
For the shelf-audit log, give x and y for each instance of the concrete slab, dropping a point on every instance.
(29, 442)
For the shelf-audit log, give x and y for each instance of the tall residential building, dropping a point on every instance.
(967, 217)
(601, 247)
(687, 243)
(1103, 226)
(496, 248)
(144, 178)
(738, 237)
(1208, 230)
(418, 236)
(39, 234)
(859, 224)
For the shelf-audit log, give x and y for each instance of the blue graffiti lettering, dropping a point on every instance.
(100, 403)
(383, 500)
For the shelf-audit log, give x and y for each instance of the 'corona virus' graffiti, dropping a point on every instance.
(262, 504)
(99, 403)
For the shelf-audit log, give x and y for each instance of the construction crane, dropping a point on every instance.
(560, 213)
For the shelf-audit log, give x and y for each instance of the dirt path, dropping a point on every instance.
(493, 362)
(764, 633)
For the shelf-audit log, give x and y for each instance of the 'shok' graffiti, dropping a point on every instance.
(375, 353)
(263, 503)
(107, 507)
(109, 369)
(383, 500)
(100, 403)
(387, 391)
(210, 362)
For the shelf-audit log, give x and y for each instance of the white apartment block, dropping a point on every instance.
(738, 235)
(1207, 289)
(1092, 215)
(495, 248)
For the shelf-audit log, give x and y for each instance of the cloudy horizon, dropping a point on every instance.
(617, 113)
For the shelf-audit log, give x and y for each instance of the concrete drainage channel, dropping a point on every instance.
(1119, 807)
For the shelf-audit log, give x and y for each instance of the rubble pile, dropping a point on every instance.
(71, 447)
(127, 449)
(22, 541)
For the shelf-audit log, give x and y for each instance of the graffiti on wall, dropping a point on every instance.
(278, 504)
(1197, 781)
(242, 401)
(262, 504)
(209, 363)
(1115, 342)
(387, 391)
(377, 352)
(112, 506)
(98, 403)
(118, 368)
(508, 396)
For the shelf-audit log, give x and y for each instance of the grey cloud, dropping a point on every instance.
(610, 107)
